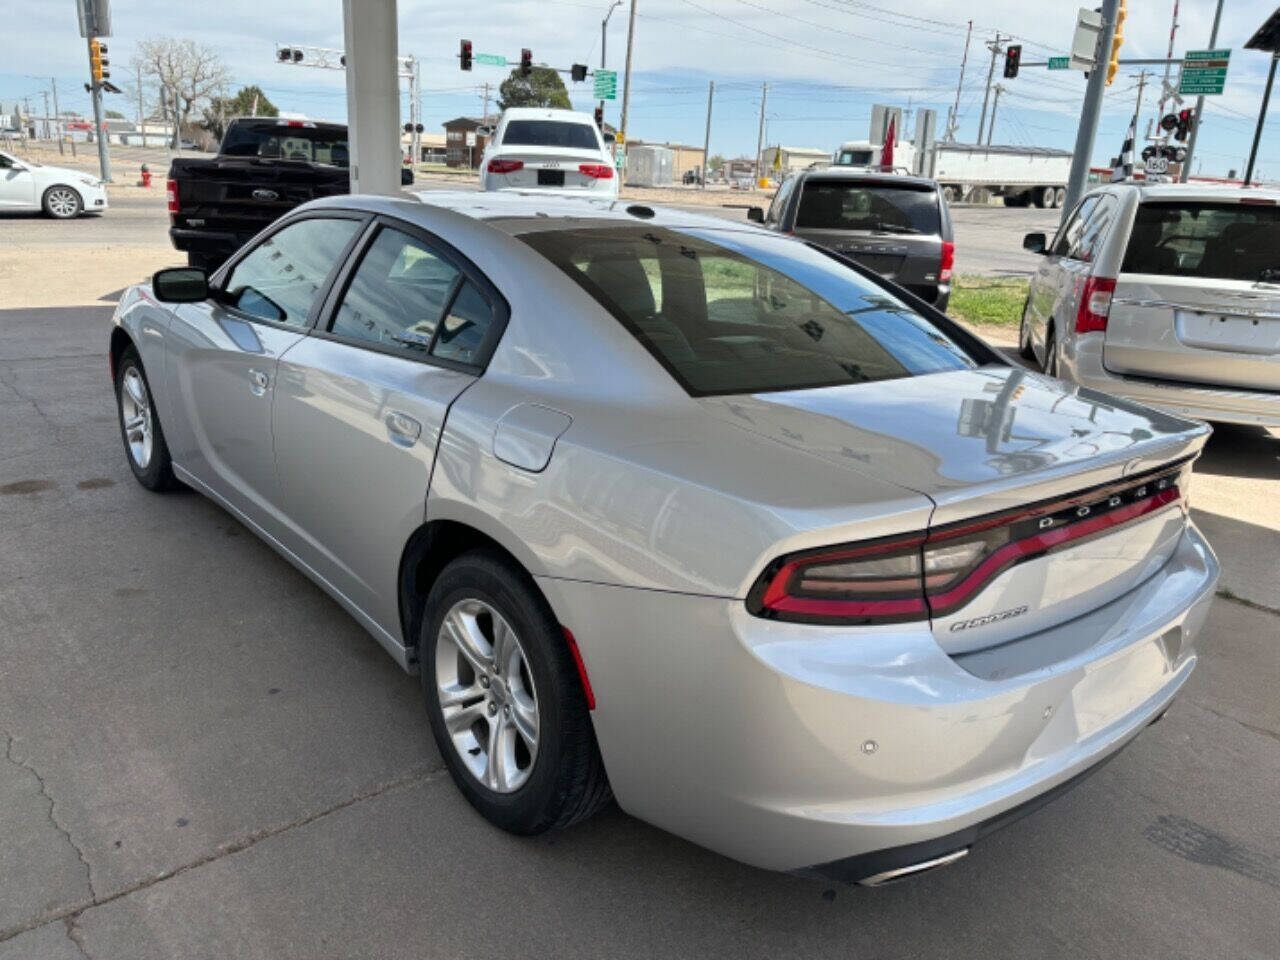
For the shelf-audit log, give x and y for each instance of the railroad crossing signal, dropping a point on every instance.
(1113, 61)
(1012, 59)
(1204, 72)
(98, 61)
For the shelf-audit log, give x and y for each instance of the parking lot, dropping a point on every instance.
(204, 756)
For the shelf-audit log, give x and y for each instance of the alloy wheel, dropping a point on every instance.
(487, 696)
(63, 202)
(135, 414)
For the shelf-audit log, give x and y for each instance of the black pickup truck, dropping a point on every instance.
(264, 168)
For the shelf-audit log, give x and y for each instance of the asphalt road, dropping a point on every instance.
(205, 757)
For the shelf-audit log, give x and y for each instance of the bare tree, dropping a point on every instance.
(188, 73)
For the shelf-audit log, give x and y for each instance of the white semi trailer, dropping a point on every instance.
(1020, 175)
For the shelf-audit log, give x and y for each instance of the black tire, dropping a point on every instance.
(1050, 365)
(157, 473)
(1025, 350)
(567, 781)
(62, 202)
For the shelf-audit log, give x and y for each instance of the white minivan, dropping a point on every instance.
(539, 148)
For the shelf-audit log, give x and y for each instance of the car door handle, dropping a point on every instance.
(257, 382)
(402, 429)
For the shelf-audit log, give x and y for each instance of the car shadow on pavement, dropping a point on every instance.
(1241, 451)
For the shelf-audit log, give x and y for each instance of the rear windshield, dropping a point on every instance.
(275, 141)
(836, 205)
(734, 312)
(550, 133)
(1212, 240)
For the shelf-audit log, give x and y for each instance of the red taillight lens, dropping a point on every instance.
(948, 261)
(1095, 304)
(171, 194)
(596, 171)
(498, 165)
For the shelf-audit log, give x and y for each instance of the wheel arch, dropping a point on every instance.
(70, 186)
(120, 342)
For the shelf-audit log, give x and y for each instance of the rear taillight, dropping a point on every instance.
(596, 171)
(171, 193)
(935, 573)
(498, 165)
(948, 261)
(1095, 304)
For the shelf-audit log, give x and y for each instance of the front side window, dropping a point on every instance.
(280, 279)
(730, 312)
(1212, 240)
(550, 133)
(397, 294)
(849, 205)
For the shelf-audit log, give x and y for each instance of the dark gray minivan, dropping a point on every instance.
(899, 226)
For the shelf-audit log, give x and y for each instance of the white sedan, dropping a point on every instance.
(58, 191)
(536, 148)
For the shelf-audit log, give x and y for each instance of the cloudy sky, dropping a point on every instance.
(826, 62)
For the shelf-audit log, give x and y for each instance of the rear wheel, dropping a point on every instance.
(1059, 196)
(144, 443)
(1043, 196)
(1025, 349)
(62, 202)
(505, 701)
(949, 194)
(1050, 352)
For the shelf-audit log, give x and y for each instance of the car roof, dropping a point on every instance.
(1197, 191)
(528, 211)
(547, 113)
(863, 175)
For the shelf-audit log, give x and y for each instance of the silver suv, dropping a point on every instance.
(1168, 294)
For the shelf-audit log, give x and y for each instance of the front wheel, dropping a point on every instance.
(62, 203)
(144, 443)
(505, 701)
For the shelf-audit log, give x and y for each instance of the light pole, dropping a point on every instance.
(604, 39)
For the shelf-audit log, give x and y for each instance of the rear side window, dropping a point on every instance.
(1069, 236)
(279, 279)
(1211, 240)
(731, 312)
(550, 133)
(1094, 230)
(837, 205)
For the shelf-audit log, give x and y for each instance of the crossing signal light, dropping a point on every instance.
(578, 72)
(600, 117)
(526, 62)
(98, 61)
(464, 55)
(1186, 120)
(1012, 60)
(1113, 61)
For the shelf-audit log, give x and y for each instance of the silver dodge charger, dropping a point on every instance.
(674, 510)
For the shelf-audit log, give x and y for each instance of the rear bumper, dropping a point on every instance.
(1081, 362)
(847, 752)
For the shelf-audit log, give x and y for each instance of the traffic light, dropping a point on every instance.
(98, 61)
(600, 117)
(1012, 59)
(526, 62)
(408, 128)
(284, 54)
(578, 72)
(1186, 120)
(464, 55)
(1113, 60)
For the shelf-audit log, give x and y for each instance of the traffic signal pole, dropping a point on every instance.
(99, 133)
(1082, 156)
(1262, 118)
(1199, 114)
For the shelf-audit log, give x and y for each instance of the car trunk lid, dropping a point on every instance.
(549, 167)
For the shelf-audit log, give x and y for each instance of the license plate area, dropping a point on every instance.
(1227, 332)
(551, 178)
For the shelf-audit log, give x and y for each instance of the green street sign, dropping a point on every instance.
(1204, 72)
(492, 59)
(606, 84)
(1059, 63)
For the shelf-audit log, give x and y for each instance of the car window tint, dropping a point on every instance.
(1094, 230)
(280, 278)
(550, 133)
(396, 295)
(1212, 240)
(848, 205)
(780, 201)
(1069, 235)
(738, 313)
(463, 330)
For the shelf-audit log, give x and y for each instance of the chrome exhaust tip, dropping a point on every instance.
(912, 870)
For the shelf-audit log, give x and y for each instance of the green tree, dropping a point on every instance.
(716, 162)
(114, 115)
(249, 102)
(542, 88)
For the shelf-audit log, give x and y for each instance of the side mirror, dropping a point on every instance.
(406, 176)
(755, 214)
(180, 285)
(1035, 243)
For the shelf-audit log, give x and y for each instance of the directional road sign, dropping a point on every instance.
(1204, 72)
(492, 59)
(606, 84)
(1059, 63)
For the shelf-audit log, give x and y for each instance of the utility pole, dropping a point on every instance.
(626, 78)
(991, 130)
(57, 116)
(45, 94)
(764, 98)
(1199, 114)
(1137, 107)
(1262, 117)
(706, 140)
(1164, 89)
(99, 131)
(954, 119)
(994, 47)
(604, 40)
(1090, 109)
(142, 113)
(485, 116)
